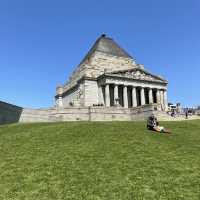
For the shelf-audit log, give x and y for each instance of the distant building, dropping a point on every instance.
(108, 76)
(197, 111)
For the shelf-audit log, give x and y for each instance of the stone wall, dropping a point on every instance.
(35, 115)
(87, 114)
(9, 113)
(90, 93)
(97, 65)
(72, 97)
(101, 62)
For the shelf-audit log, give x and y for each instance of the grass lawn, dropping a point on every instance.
(99, 160)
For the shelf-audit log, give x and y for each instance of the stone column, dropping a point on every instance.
(158, 96)
(116, 95)
(107, 95)
(100, 95)
(158, 99)
(125, 95)
(161, 99)
(60, 102)
(142, 96)
(165, 100)
(134, 98)
(150, 96)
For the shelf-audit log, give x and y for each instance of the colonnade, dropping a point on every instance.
(137, 95)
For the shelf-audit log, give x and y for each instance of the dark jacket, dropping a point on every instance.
(152, 122)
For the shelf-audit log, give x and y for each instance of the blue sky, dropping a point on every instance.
(42, 41)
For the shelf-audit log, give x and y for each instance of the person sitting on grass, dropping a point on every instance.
(152, 124)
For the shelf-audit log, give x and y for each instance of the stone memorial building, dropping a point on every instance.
(108, 76)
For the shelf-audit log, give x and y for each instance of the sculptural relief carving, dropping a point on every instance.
(137, 75)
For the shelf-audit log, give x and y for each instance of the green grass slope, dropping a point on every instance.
(94, 161)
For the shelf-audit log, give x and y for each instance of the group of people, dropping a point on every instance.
(173, 113)
(153, 124)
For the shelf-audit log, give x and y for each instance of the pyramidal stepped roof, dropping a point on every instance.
(108, 46)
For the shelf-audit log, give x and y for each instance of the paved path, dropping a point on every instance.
(177, 118)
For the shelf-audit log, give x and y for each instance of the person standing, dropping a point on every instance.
(186, 113)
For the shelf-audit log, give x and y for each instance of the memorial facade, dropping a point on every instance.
(109, 77)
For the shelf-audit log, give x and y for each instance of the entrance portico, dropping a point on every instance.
(128, 92)
(137, 96)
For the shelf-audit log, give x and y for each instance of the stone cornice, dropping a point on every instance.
(131, 79)
(65, 91)
(115, 73)
(115, 76)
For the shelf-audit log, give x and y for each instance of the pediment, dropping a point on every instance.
(137, 74)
